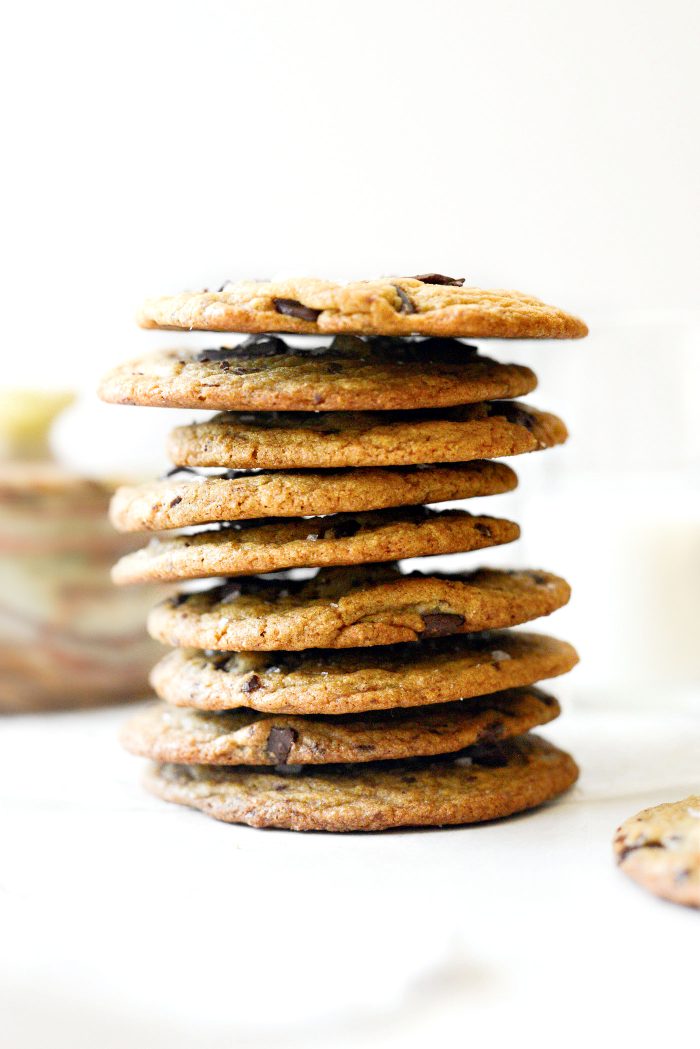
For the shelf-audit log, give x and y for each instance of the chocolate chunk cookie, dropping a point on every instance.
(480, 783)
(346, 607)
(345, 681)
(388, 306)
(244, 737)
(660, 849)
(245, 547)
(285, 440)
(185, 497)
(265, 374)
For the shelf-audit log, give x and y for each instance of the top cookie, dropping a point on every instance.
(433, 305)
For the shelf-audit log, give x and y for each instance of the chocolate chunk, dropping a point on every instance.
(492, 732)
(175, 501)
(439, 278)
(179, 470)
(440, 624)
(222, 354)
(252, 347)
(220, 661)
(639, 845)
(513, 413)
(345, 529)
(251, 684)
(406, 302)
(293, 308)
(279, 743)
(483, 529)
(264, 346)
(490, 757)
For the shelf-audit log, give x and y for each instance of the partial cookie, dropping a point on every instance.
(264, 374)
(389, 306)
(482, 783)
(660, 849)
(185, 498)
(346, 681)
(279, 441)
(345, 607)
(244, 737)
(246, 547)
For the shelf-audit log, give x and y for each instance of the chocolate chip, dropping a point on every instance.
(251, 684)
(483, 529)
(279, 743)
(175, 501)
(439, 278)
(440, 624)
(294, 308)
(538, 578)
(406, 302)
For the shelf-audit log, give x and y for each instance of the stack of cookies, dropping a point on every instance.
(316, 684)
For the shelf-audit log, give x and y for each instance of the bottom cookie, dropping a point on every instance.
(660, 849)
(481, 783)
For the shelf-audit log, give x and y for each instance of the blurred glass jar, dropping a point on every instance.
(68, 637)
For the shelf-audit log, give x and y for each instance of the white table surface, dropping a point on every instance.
(125, 921)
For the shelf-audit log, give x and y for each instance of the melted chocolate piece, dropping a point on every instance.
(251, 684)
(279, 743)
(175, 501)
(483, 529)
(406, 301)
(439, 278)
(490, 757)
(345, 529)
(179, 470)
(255, 346)
(293, 308)
(270, 589)
(513, 413)
(337, 530)
(440, 624)
(640, 845)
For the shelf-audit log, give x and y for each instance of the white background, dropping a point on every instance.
(547, 146)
